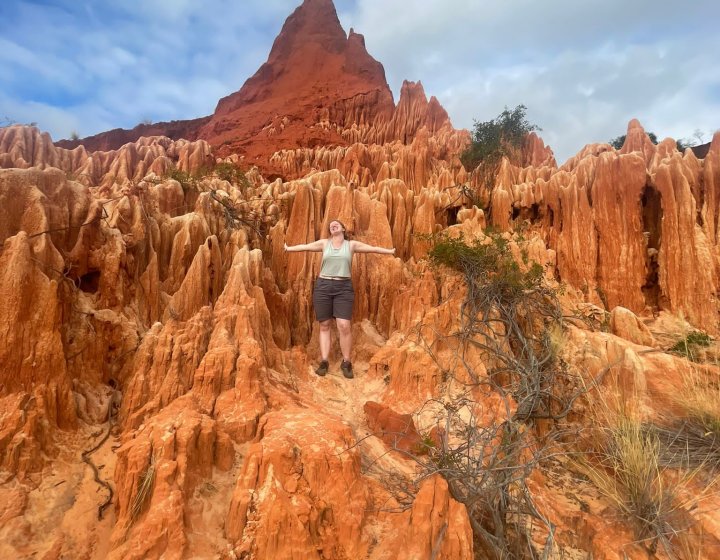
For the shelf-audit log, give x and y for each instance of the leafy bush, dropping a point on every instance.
(227, 171)
(498, 137)
(494, 427)
(512, 314)
(681, 144)
(512, 317)
(489, 268)
(186, 180)
(231, 173)
(690, 345)
(618, 142)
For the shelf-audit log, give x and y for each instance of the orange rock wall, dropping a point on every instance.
(128, 279)
(636, 228)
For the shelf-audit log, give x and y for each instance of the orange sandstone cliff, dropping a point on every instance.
(157, 394)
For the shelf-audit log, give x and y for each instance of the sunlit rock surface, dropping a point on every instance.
(157, 394)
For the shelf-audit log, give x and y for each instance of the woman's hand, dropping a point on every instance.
(285, 247)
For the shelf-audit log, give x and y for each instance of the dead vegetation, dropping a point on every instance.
(511, 318)
(144, 489)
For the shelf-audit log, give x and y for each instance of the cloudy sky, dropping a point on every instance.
(583, 68)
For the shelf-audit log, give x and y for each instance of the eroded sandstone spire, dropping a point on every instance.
(318, 87)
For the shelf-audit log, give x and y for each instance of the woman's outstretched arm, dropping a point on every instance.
(315, 246)
(358, 247)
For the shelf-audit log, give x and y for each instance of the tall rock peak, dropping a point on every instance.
(315, 21)
(318, 87)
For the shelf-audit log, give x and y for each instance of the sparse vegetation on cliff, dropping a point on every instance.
(625, 464)
(492, 140)
(691, 344)
(508, 313)
(143, 491)
(227, 171)
(187, 180)
(486, 452)
(682, 144)
(693, 439)
(618, 141)
(232, 173)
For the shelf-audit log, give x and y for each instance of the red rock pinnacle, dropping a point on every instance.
(317, 84)
(314, 71)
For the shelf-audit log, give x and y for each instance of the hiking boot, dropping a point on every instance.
(323, 368)
(346, 368)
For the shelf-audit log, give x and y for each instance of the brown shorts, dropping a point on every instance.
(333, 298)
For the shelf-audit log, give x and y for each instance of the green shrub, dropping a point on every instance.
(498, 137)
(229, 172)
(690, 345)
(489, 267)
(226, 171)
(618, 142)
(186, 180)
(507, 313)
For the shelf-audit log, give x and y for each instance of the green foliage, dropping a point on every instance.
(512, 318)
(618, 142)
(498, 137)
(509, 306)
(74, 136)
(682, 144)
(689, 345)
(231, 173)
(225, 170)
(186, 180)
(425, 445)
(489, 266)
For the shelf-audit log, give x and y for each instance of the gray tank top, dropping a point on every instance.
(336, 262)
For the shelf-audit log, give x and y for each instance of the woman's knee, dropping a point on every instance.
(325, 325)
(343, 325)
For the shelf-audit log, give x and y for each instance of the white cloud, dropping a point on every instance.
(583, 69)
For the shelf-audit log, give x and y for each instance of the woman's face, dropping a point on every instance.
(335, 227)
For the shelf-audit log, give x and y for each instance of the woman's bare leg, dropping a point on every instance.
(344, 327)
(325, 339)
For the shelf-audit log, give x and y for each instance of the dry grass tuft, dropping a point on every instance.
(691, 346)
(700, 398)
(144, 490)
(693, 440)
(625, 462)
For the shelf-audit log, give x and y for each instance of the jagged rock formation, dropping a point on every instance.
(319, 88)
(118, 137)
(636, 228)
(154, 340)
(23, 147)
(134, 291)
